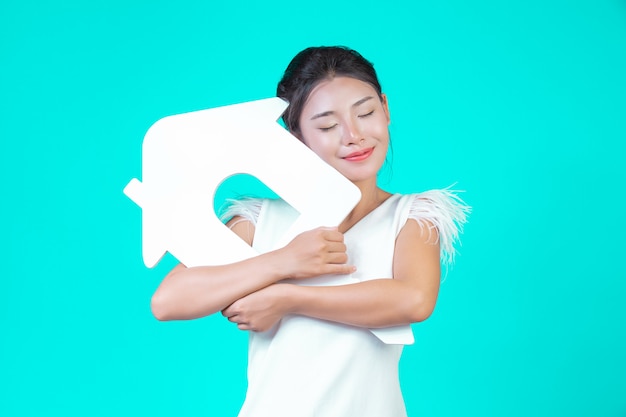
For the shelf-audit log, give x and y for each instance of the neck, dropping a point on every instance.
(371, 197)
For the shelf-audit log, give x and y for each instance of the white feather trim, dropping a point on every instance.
(246, 208)
(444, 211)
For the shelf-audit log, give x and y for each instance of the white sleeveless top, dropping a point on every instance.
(306, 367)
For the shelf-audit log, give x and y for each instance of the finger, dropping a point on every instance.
(336, 247)
(243, 326)
(328, 227)
(337, 258)
(333, 235)
(340, 269)
(234, 319)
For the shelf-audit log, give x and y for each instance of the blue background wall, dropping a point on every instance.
(523, 103)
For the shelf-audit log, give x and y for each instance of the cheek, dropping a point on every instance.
(318, 143)
(381, 132)
(378, 126)
(322, 151)
(314, 145)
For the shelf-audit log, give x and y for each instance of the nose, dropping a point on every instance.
(351, 133)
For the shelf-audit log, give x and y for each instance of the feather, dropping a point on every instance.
(246, 208)
(444, 211)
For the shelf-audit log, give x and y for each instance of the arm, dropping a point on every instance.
(188, 293)
(409, 297)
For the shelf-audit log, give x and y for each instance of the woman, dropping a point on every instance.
(311, 350)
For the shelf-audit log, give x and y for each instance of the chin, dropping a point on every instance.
(361, 176)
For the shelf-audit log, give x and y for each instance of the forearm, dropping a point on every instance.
(376, 303)
(188, 293)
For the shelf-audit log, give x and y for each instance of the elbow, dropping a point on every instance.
(421, 307)
(159, 307)
(421, 314)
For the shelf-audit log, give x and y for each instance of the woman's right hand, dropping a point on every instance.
(316, 252)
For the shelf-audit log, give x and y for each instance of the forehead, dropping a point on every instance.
(337, 92)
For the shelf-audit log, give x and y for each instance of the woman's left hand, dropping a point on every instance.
(261, 310)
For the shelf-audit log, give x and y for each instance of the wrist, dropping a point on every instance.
(277, 267)
(289, 297)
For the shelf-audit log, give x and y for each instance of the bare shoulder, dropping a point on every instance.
(415, 235)
(416, 250)
(242, 228)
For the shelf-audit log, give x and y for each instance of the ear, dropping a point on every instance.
(383, 100)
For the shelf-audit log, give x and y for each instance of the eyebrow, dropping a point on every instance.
(328, 113)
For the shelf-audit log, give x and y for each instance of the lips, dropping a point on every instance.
(359, 155)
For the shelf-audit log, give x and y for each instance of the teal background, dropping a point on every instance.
(521, 103)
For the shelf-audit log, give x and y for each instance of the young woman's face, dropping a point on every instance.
(346, 123)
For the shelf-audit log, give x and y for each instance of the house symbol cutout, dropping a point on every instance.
(187, 156)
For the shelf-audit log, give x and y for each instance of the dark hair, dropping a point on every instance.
(313, 65)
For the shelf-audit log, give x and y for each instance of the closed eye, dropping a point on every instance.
(326, 129)
(366, 114)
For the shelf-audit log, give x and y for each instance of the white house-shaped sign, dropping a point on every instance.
(187, 156)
